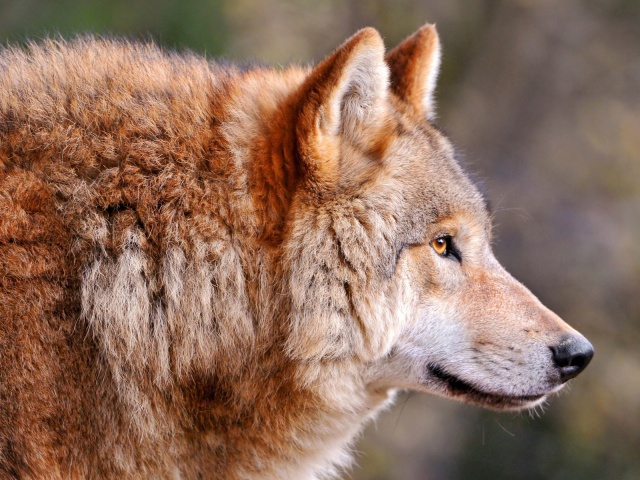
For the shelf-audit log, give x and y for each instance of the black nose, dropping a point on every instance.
(572, 355)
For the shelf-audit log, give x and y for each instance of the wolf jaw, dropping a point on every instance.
(458, 388)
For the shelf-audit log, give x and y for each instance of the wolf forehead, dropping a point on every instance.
(434, 174)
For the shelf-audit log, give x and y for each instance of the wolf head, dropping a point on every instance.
(387, 248)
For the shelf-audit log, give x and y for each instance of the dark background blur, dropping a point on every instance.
(543, 99)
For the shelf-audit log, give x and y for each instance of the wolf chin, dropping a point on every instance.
(213, 272)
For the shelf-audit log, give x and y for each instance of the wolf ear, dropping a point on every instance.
(343, 97)
(414, 65)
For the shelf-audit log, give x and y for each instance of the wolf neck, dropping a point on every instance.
(304, 429)
(274, 428)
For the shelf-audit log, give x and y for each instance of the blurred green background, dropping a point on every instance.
(543, 99)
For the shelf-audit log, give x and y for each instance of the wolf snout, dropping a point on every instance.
(571, 356)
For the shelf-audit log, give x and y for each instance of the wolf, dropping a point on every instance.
(215, 272)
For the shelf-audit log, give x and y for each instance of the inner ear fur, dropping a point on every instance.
(343, 98)
(414, 65)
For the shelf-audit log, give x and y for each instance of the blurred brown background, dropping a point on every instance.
(543, 99)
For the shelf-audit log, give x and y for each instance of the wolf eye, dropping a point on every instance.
(443, 246)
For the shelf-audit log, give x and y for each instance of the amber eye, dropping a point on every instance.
(441, 245)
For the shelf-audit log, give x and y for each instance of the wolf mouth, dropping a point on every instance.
(457, 387)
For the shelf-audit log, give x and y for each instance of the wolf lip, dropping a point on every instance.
(458, 387)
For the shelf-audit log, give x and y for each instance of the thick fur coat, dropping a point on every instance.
(209, 272)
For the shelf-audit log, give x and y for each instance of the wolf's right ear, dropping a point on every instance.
(343, 98)
(414, 65)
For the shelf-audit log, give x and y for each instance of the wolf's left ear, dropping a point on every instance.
(343, 98)
(414, 65)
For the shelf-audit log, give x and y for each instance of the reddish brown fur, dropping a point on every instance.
(100, 139)
(113, 137)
